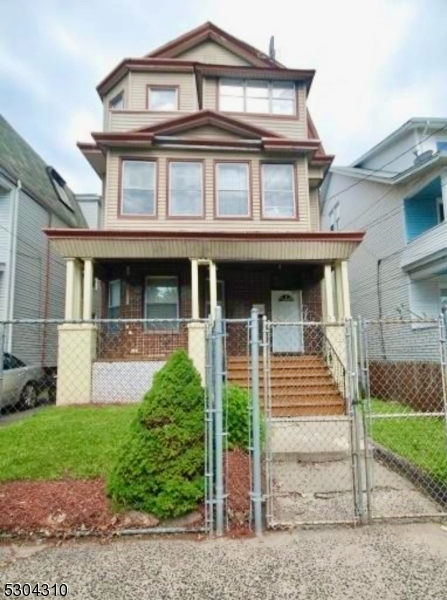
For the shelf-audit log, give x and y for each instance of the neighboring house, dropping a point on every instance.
(397, 191)
(91, 207)
(33, 197)
(211, 168)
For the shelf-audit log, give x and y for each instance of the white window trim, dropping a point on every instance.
(121, 93)
(159, 88)
(248, 214)
(146, 285)
(280, 218)
(200, 215)
(133, 214)
(270, 97)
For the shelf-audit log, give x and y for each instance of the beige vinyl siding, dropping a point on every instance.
(185, 81)
(123, 120)
(111, 220)
(289, 127)
(208, 132)
(314, 210)
(123, 85)
(210, 52)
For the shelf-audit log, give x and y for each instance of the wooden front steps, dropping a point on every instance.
(300, 386)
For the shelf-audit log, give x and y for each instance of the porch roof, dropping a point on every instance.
(324, 246)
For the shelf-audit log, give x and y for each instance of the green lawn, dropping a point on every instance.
(63, 442)
(420, 440)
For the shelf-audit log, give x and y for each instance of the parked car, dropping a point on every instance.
(21, 384)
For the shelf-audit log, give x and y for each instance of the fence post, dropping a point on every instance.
(256, 422)
(218, 414)
(443, 352)
(2, 353)
(364, 401)
(209, 429)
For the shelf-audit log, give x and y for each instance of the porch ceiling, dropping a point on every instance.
(320, 246)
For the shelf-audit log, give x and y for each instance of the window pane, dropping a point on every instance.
(162, 99)
(279, 204)
(283, 107)
(138, 175)
(114, 293)
(186, 176)
(233, 204)
(283, 89)
(257, 89)
(232, 176)
(117, 103)
(277, 177)
(162, 290)
(231, 104)
(138, 202)
(185, 204)
(231, 87)
(257, 105)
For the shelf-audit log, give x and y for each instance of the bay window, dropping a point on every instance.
(278, 191)
(232, 190)
(185, 189)
(257, 96)
(138, 188)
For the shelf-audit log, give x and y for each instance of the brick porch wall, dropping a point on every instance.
(245, 285)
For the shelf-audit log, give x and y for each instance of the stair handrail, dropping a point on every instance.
(329, 353)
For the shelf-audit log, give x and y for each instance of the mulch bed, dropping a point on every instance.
(67, 507)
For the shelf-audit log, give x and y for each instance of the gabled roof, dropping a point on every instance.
(209, 31)
(20, 162)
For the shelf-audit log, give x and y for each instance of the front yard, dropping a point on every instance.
(64, 443)
(421, 440)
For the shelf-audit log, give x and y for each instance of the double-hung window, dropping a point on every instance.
(186, 189)
(162, 98)
(278, 191)
(114, 304)
(138, 188)
(232, 190)
(162, 302)
(257, 96)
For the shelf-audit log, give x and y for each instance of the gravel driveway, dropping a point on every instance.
(399, 562)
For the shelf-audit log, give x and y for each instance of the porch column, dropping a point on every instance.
(195, 288)
(69, 288)
(339, 291)
(444, 191)
(77, 290)
(213, 287)
(329, 293)
(87, 304)
(345, 290)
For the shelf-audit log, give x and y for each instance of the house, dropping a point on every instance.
(397, 192)
(211, 168)
(33, 197)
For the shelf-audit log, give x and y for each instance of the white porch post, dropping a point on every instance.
(77, 290)
(329, 293)
(195, 288)
(444, 191)
(213, 287)
(339, 291)
(69, 288)
(345, 290)
(87, 304)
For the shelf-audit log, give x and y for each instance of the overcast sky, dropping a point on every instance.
(378, 62)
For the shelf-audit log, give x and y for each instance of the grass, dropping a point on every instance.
(421, 440)
(64, 442)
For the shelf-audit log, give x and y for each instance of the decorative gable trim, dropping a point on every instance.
(209, 31)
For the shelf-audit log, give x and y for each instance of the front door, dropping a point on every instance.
(287, 307)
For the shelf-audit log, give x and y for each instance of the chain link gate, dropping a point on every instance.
(402, 385)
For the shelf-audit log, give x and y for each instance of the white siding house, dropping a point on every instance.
(397, 192)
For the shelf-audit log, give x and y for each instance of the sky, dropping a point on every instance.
(378, 63)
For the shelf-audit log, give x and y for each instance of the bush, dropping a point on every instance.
(237, 400)
(160, 466)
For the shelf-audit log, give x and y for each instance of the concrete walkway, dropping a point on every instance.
(400, 562)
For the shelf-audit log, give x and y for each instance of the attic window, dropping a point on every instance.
(60, 188)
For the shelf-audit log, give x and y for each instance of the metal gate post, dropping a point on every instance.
(443, 352)
(365, 410)
(209, 429)
(267, 419)
(218, 414)
(256, 494)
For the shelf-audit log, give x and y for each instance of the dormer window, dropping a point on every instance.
(257, 96)
(162, 98)
(117, 102)
(60, 187)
